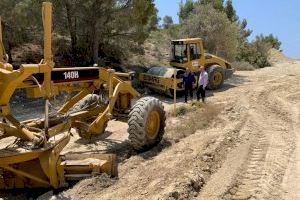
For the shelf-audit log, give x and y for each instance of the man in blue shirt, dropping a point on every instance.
(188, 81)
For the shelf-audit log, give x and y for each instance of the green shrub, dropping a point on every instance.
(219, 34)
(255, 53)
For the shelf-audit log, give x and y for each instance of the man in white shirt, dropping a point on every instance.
(202, 83)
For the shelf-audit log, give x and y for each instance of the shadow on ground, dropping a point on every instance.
(22, 194)
(123, 149)
(233, 82)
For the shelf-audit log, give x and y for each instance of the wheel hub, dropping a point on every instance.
(217, 78)
(153, 124)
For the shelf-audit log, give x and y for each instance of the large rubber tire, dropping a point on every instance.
(145, 113)
(216, 77)
(86, 102)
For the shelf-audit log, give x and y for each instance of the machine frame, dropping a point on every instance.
(37, 161)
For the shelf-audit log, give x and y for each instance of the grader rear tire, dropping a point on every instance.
(147, 122)
(85, 103)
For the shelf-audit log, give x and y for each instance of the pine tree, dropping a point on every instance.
(96, 29)
(185, 9)
(167, 22)
(217, 4)
(230, 11)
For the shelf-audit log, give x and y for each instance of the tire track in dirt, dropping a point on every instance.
(217, 152)
(291, 183)
(283, 143)
(257, 152)
(245, 186)
(269, 154)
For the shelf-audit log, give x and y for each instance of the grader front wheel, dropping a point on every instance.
(146, 123)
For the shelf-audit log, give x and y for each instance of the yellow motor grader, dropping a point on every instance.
(35, 158)
(187, 53)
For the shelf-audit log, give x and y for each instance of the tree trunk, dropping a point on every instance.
(8, 43)
(10, 59)
(95, 45)
(71, 25)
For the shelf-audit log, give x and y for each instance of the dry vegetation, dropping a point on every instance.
(190, 118)
(274, 57)
(156, 50)
(243, 66)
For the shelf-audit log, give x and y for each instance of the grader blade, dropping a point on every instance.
(47, 167)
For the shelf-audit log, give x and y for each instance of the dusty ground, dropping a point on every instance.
(249, 149)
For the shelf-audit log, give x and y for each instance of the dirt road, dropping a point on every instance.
(249, 150)
(270, 169)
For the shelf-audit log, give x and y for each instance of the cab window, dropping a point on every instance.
(179, 53)
(195, 52)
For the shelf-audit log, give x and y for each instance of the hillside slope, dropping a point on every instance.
(275, 57)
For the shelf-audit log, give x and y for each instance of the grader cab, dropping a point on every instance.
(34, 159)
(187, 53)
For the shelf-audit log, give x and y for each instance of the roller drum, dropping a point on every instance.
(166, 72)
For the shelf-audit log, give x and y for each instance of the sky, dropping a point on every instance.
(280, 17)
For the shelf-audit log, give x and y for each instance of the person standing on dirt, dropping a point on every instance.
(188, 81)
(202, 83)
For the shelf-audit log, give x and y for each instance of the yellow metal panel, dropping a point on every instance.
(159, 81)
(28, 175)
(189, 40)
(216, 60)
(70, 103)
(43, 167)
(109, 167)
